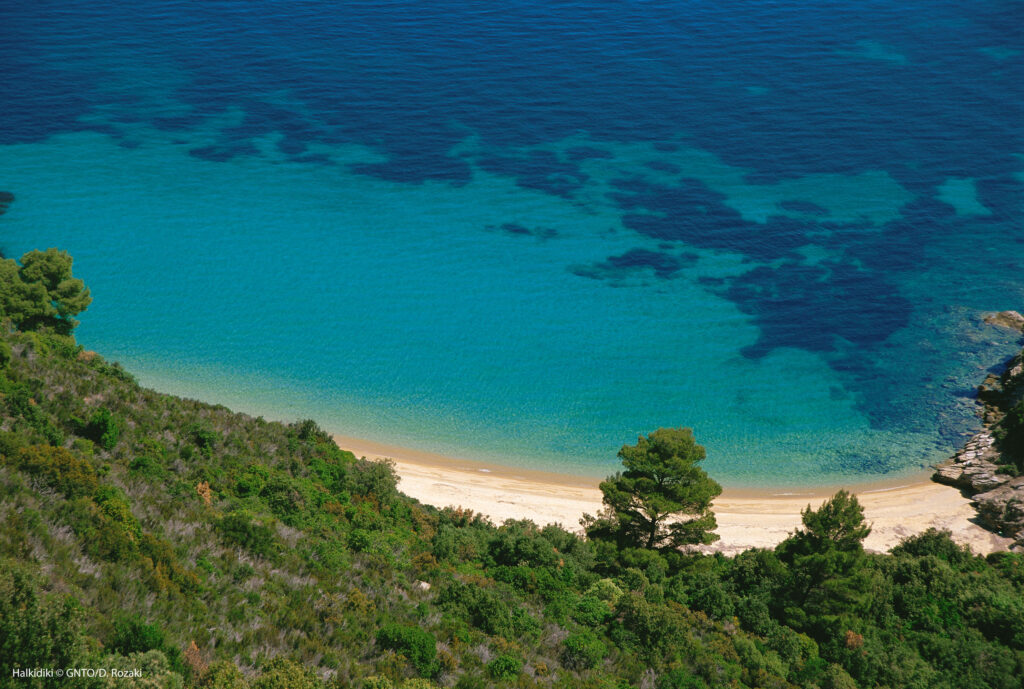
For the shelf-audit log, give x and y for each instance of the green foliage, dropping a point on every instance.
(21, 404)
(378, 682)
(605, 590)
(827, 559)
(203, 438)
(272, 549)
(662, 499)
(582, 651)
(938, 544)
(223, 675)
(375, 480)
(417, 645)
(153, 665)
(241, 529)
(484, 609)
(360, 540)
(838, 523)
(252, 481)
(133, 635)
(36, 631)
(308, 431)
(103, 428)
(58, 468)
(591, 612)
(117, 531)
(505, 668)
(281, 673)
(41, 292)
(148, 467)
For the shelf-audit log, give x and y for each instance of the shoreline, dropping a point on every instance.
(746, 518)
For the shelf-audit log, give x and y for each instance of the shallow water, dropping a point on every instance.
(527, 234)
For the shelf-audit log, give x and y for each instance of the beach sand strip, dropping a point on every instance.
(746, 518)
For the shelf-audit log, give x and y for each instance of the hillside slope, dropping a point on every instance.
(206, 548)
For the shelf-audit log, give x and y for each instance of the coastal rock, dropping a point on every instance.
(1006, 319)
(975, 468)
(1002, 509)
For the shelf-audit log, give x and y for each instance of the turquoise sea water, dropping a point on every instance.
(529, 235)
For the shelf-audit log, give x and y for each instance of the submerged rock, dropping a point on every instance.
(1006, 319)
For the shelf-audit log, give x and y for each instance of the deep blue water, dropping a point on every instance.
(527, 232)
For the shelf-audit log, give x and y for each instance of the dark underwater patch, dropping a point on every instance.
(822, 307)
(6, 199)
(617, 268)
(515, 229)
(800, 206)
(694, 214)
(1003, 195)
(663, 166)
(810, 306)
(540, 170)
(314, 158)
(579, 153)
(223, 152)
(416, 167)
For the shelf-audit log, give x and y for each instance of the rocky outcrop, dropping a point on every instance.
(1002, 508)
(1006, 319)
(975, 468)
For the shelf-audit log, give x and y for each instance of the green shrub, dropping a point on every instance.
(154, 667)
(59, 468)
(252, 481)
(223, 675)
(582, 651)
(240, 529)
(414, 643)
(203, 438)
(103, 428)
(359, 540)
(310, 432)
(605, 590)
(20, 400)
(681, 679)
(148, 467)
(285, 497)
(378, 682)
(591, 612)
(35, 631)
(10, 445)
(374, 479)
(132, 635)
(505, 668)
(281, 673)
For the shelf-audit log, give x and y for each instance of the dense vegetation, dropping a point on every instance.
(212, 549)
(41, 292)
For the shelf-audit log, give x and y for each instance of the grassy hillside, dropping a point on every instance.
(212, 549)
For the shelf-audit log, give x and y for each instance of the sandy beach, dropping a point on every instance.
(746, 519)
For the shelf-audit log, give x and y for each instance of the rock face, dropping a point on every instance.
(1003, 508)
(1006, 319)
(974, 467)
(998, 497)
